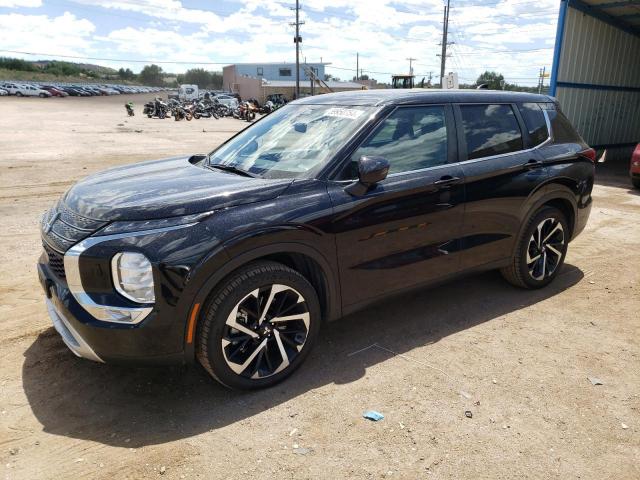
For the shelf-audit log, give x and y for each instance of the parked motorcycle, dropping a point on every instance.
(245, 111)
(129, 107)
(181, 112)
(204, 110)
(157, 108)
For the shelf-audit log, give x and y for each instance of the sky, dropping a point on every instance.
(513, 37)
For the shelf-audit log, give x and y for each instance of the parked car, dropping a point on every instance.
(55, 92)
(3, 92)
(31, 91)
(227, 100)
(22, 90)
(236, 258)
(634, 167)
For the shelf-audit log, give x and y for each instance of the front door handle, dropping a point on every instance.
(446, 181)
(533, 164)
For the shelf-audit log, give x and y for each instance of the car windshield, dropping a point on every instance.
(292, 142)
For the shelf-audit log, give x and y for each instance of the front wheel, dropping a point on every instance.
(258, 326)
(541, 250)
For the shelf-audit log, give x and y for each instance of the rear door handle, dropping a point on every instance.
(446, 181)
(533, 164)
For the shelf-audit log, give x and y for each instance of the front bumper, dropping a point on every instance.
(70, 337)
(147, 343)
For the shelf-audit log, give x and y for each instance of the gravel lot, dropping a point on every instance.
(517, 360)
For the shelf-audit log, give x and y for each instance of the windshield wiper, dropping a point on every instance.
(232, 169)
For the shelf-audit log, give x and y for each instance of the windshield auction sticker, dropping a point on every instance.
(351, 113)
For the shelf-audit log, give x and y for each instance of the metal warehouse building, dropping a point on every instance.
(596, 71)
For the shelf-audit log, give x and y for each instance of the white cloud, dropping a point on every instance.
(384, 32)
(64, 35)
(20, 3)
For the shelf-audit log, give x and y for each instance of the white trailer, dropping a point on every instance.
(188, 92)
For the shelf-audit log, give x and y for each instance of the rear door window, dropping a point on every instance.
(535, 122)
(490, 130)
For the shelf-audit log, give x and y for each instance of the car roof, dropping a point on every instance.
(378, 97)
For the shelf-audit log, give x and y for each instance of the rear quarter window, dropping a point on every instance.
(561, 128)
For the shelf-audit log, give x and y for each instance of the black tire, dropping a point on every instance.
(236, 293)
(43, 95)
(545, 264)
(18, 94)
(636, 182)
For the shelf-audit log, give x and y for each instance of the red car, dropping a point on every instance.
(634, 167)
(54, 91)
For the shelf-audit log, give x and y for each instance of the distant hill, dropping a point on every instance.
(19, 69)
(43, 64)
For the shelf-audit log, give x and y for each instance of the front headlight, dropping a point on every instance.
(133, 276)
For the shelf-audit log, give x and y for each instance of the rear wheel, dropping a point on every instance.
(258, 326)
(636, 182)
(18, 94)
(540, 251)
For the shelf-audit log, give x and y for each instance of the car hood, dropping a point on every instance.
(165, 188)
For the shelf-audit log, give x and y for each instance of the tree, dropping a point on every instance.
(494, 80)
(202, 78)
(197, 76)
(126, 74)
(151, 75)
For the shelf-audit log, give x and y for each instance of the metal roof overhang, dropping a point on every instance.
(623, 14)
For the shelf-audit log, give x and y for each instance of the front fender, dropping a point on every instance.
(235, 253)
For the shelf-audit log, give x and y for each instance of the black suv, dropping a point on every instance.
(328, 204)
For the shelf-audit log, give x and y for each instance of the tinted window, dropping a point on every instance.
(490, 130)
(285, 72)
(535, 122)
(561, 128)
(410, 139)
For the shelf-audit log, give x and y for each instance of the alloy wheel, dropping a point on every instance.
(265, 331)
(545, 249)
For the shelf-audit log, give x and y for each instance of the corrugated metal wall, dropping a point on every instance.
(596, 53)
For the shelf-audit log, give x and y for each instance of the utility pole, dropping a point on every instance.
(541, 79)
(357, 65)
(297, 40)
(411, 64)
(443, 56)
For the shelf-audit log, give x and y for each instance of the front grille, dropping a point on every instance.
(56, 261)
(61, 229)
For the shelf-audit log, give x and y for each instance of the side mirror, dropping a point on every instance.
(371, 170)
(198, 157)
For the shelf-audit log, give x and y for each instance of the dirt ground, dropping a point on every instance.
(517, 360)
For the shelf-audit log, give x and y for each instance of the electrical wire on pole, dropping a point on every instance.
(443, 55)
(411, 59)
(297, 40)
